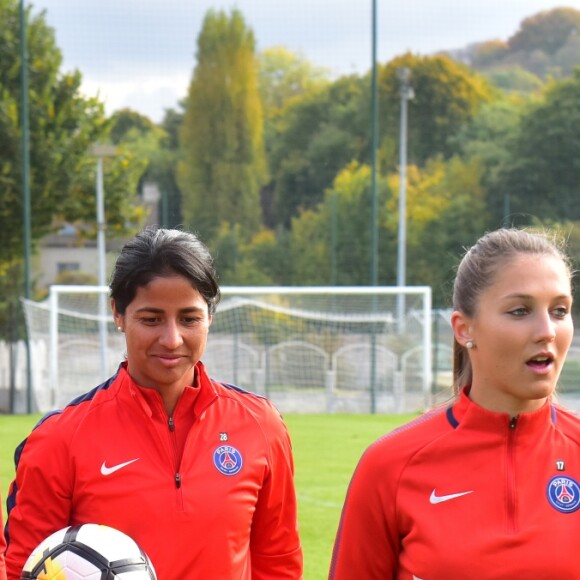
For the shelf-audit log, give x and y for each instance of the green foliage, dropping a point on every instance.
(544, 173)
(446, 96)
(514, 79)
(156, 148)
(63, 125)
(489, 138)
(446, 212)
(223, 164)
(331, 244)
(268, 250)
(286, 77)
(124, 121)
(12, 323)
(319, 136)
(163, 170)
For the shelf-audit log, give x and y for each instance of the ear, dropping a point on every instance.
(117, 317)
(461, 326)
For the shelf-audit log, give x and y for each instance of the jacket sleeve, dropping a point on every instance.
(275, 547)
(39, 501)
(367, 538)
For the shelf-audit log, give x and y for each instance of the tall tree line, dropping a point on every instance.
(267, 157)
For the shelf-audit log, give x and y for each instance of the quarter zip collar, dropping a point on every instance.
(200, 395)
(465, 414)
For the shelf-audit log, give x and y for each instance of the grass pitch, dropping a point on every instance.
(326, 451)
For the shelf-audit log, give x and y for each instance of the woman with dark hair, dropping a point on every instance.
(488, 486)
(199, 473)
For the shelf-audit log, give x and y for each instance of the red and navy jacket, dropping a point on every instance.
(207, 493)
(463, 493)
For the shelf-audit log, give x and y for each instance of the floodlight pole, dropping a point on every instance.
(374, 202)
(374, 146)
(25, 187)
(101, 151)
(407, 93)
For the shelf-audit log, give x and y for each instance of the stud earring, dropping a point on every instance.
(120, 329)
(469, 345)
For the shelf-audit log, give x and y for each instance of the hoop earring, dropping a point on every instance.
(469, 345)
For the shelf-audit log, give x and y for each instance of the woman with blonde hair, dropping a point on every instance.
(488, 486)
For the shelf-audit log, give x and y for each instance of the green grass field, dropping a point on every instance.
(326, 451)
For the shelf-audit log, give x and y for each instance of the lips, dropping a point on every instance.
(541, 361)
(169, 359)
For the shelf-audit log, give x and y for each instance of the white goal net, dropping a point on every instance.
(308, 349)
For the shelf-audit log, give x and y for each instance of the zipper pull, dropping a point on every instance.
(177, 480)
(513, 422)
(171, 424)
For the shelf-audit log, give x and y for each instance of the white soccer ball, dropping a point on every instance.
(88, 552)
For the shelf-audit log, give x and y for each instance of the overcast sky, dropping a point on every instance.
(141, 53)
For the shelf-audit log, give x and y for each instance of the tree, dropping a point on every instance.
(286, 77)
(223, 163)
(488, 53)
(446, 211)
(546, 31)
(543, 175)
(514, 79)
(261, 261)
(126, 120)
(446, 96)
(62, 126)
(166, 167)
(338, 231)
(490, 138)
(545, 45)
(157, 148)
(320, 135)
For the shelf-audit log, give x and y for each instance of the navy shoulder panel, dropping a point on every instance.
(231, 387)
(86, 397)
(90, 395)
(451, 417)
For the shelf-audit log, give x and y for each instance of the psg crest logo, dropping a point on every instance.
(227, 459)
(564, 494)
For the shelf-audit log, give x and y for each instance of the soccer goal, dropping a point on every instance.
(308, 349)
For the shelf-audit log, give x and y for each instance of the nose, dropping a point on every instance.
(170, 337)
(546, 327)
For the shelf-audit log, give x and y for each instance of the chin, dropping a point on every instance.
(542, 392)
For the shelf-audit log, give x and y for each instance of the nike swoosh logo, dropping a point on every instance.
(441, 498)
(108, 470)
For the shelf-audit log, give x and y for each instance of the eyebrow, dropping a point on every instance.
(161, 310)
(529, 296)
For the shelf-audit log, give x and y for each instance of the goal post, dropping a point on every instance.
(308, 349)
(332, 349)
(72, 342)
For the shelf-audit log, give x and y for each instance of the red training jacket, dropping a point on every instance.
(466, 493)
(207, 494)
(2, 549)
